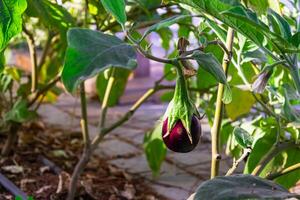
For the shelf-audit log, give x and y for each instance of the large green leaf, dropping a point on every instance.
(10, 19)
(262, 143)
(155, 149)
(117, 9)
(120, 79)
(241, 19)
(242, 102)
(239, 187)
(291, 157)
(51, 14)
(90, 52)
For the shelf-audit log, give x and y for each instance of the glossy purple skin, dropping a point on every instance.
(178, 139)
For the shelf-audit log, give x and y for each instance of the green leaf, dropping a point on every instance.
(51, 14)
(242, 137)
(242, 102)
(120, 80)
(117, 9)
(291, 157)
(164, 24)
(241, 19)
(155, 149)
(239, 187)
(166, 36)
(91, 52)
(262, 143)
(227, 96)
(204, 79)
(260, 6)
(209, 63)
(20, 113)
(280, 25)
(10, 20)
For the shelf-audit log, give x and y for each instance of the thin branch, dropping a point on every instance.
(145, 53)
(46, 50)
(215, 131)
(236, 163)
(108, 90)
(43, 90)
(214, 42)
(276, 149)
(284, 171)
(33, 57)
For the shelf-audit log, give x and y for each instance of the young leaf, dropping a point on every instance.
(242, 137)
(117, 9)
(164, 24)
(90, 52)
(155, 149)
(10, 20)
(210, 64)
(238, 187)
(20, 113)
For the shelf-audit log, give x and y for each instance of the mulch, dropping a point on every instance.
(39, 147)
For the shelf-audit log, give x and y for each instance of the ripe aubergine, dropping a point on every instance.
(177, 139)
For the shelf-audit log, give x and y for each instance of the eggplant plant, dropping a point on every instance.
(240, 69)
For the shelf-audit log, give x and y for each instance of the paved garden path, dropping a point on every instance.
(180, 174)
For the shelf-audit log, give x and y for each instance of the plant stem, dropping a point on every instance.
(215, 131)
(108, 90)
(10, 141)
(284, 172)
(43, 90)
(77, 172)
(84, 118)
(33, 57)
(87, 150)
(277, 148)
(237, 162)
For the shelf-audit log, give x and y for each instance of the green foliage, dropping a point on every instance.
(20, 113)
(117, 9)
(120, 76)
(243, 138)
(81, 63)
(155, 149)
(242, 102)
(51, 15)
(164, 24)
(10, 20)
(238, 187)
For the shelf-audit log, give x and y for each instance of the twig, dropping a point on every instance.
(277, 148)
(145, 53)
(215, 131)
(284, 171)
(46, 50)
(43, 90)
(236, 163)
(33, 57)
(108, 90)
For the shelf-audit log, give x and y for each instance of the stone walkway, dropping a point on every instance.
(180, 175)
